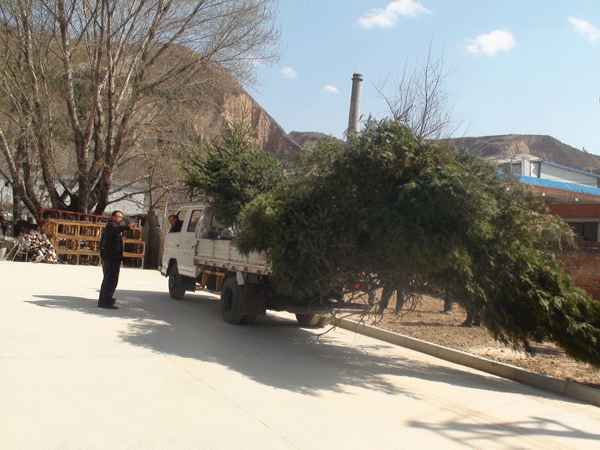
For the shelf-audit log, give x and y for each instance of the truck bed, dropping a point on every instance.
(223, 254)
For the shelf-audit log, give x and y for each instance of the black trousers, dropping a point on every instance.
(111, 268)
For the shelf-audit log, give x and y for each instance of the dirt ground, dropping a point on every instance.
(427, 322)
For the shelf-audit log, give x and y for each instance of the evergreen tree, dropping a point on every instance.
(390, 208)
(230, 172)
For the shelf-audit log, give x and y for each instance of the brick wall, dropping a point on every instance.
(583, 266)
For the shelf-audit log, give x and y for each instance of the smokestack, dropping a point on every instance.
(354, 119)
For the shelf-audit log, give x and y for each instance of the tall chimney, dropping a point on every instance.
(354, 119)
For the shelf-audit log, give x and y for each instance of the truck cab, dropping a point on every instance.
(180, 242)
(195, 235)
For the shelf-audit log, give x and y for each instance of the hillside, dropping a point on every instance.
(544, 147)
(202, 111)
(207, 107)
(311, 138)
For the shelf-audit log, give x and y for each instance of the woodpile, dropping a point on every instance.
(35, 247)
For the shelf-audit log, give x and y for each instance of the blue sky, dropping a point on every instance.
(522, 67)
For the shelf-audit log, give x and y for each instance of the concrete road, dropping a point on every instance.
(163, 374)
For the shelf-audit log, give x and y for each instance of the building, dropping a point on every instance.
(132, 200)
(573, 195)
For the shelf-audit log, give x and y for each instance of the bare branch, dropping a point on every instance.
(90, 77)
(418, 99)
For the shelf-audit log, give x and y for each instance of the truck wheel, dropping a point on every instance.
(249, 319)
(232, 302)
(310, 320)
(176, 286)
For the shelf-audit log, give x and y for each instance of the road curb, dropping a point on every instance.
(545, 382)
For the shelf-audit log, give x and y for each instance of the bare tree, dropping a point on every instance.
(83, 82)
(418, 99)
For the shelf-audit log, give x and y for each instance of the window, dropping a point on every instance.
(196, 215)
(587, 230)
(175, 222)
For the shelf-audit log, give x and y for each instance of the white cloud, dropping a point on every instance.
(331, 89)
(391, 14)
(586, 29)
(288, 72)
(492, 43)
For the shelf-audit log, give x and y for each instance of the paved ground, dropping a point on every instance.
(162, 374)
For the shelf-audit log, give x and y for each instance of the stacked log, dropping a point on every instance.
(36, 247)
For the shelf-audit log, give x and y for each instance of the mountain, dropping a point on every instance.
(209, 106)
(201, 111)
(544, 147)
(311, 138)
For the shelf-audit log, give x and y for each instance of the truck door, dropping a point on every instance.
(188, 243)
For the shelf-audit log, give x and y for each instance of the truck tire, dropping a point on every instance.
(232, 302)
(176, 284)
(249, 319)
(310, 320)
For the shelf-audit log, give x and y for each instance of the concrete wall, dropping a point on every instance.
(558, 173)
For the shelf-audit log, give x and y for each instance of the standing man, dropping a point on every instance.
(111, 253)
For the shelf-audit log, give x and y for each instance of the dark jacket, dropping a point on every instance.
(111, 242)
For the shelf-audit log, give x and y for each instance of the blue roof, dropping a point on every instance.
(572, 187)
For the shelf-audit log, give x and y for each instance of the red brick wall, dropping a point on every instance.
(575, 210)
(583, 266)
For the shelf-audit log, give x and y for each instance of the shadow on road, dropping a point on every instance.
(471, 432)
(274, 351)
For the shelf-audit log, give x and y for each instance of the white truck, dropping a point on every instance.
(200, 254)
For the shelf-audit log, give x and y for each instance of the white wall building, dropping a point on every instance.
(135, 201)
(532, 166)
